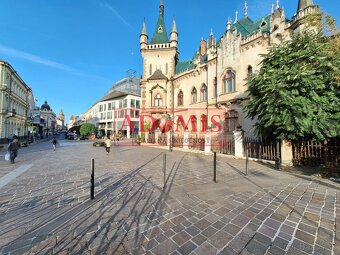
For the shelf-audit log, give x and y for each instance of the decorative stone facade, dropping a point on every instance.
(16, 103)
(216, 77)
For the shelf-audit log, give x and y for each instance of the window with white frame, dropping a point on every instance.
(204, 93)
(158, 100)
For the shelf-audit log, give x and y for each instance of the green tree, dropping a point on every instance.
(87, 129)
(296, 92)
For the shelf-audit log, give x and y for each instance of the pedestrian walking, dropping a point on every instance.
(107, 145)
(13, 148)
(54, 142)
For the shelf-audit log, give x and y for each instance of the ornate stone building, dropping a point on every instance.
(16, 103)
(215, 78)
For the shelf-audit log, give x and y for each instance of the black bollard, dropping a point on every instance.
(277, 158)
(92, 179)
(164, 170)
(246, 162)
(215, 167)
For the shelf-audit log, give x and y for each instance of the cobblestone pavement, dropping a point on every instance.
(47, 209)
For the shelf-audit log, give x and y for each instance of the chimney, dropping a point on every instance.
(203, 47)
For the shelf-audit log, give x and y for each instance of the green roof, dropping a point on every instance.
(184, 66)
(160, 35)
(246, 26)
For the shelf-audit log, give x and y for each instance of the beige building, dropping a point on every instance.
(211, 85)
(16, 103)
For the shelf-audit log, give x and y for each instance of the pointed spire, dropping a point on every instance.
(245, 9)
(144, 28)
(236, 13)
(304, 3)
(272, 8)
(160, 35)
(277, 4)
(161, 8)
(211, 39)
(174, 27)
(283, 13)
(229, 24)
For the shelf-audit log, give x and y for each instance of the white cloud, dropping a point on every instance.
(116, 13)
(33, 58)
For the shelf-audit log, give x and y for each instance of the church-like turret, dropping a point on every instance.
(303, 4)
(160, 56)
(143, 38)
(305, 8)
(174, 35)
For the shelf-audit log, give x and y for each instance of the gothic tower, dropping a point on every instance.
(305, 8)
(159, 63)
(61, 117)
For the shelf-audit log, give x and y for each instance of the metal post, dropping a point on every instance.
(215, 166)
(164, 170)
(277, 158)
(246, 162)
(92, 179)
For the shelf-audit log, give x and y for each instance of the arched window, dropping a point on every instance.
(194, 95)
(231, 120)
(180, 98)
(158, 100)
(204, 94)
(229, 82)
(249, 71)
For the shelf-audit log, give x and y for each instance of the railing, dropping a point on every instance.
(311, 153)
(152, 138)
(178, 141)
(196, 142)
(223, 143)
(162, 139)
(260, 149)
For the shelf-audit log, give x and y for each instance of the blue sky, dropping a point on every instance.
(71, 51)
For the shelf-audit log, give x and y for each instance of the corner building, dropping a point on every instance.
(214, 81)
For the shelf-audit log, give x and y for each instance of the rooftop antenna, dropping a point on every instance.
(245, 9)
(236, 13)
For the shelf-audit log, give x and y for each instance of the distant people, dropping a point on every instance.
(13, 148)
(54, 142)
(107, 145)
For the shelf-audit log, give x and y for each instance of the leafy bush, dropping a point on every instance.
(87, 129)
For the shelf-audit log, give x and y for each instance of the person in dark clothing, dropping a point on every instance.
(13, 149)
(54, 142)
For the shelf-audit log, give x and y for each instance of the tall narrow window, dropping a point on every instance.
(249, 71)
(194, 95)
(150, 69)
(229, 82)
(231, 120)
(158, 100)
(215, 87)
(166, 68)
(180, 98)
(204, 94)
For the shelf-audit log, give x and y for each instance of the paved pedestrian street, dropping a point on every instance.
(47, 208)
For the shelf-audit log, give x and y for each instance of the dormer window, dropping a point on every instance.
(160, 29)
(263, 24)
